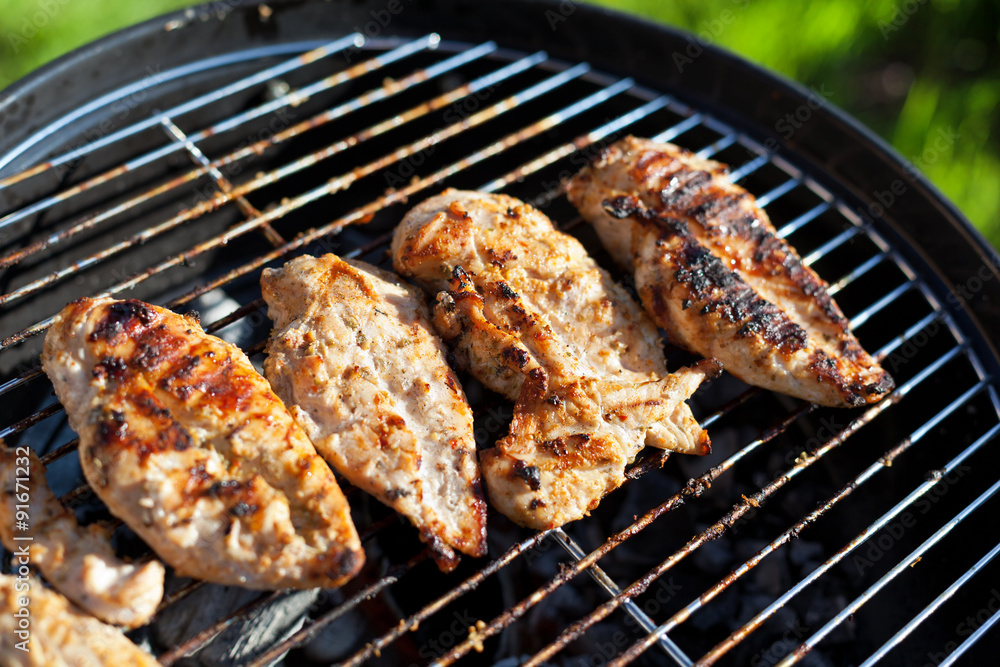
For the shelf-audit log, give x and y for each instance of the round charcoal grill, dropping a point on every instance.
(172, 161)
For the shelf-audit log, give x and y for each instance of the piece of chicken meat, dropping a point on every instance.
(354, 357)
(711, 270)
(185, 442)
(534, 318)
(51, 632)
(77, 561)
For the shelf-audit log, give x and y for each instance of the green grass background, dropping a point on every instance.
(909, 69)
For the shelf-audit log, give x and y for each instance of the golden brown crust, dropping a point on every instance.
(713, 272)
(186, 442)
(533, 317)
(354, 356)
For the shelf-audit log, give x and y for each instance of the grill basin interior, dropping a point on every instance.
(326, 152)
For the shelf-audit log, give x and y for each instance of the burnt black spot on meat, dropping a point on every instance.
(622, 207)
(513, 212)
(396, 493)
(536, 503)
(148, 355)
(506, 291)
(500, 259)
(241, 509)
(198, 474)
(553, 399)
(120, 317)
(110, 367)
(685, 304)
(724, 292)
(514, 356)
(112, 428)
(185, 371)
(346, 563)
(223, 488)
(683, 187)
(175, 438)
(148, 405)
(529, 474)
(561, 446)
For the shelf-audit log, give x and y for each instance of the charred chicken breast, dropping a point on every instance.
(711, 270)
(77, 561)
(185, 442)
(354, 357)
(533, 317)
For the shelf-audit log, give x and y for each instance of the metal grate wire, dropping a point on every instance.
(510, 83)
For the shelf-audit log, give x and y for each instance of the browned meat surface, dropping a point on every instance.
(712, 272)
(534, 318)
(354, 356)
(185, 442)
(78, 561)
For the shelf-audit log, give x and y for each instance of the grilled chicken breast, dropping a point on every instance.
(533, 317)
(713, 273)
(185, 442)
(354, 357)
(58, 634)
(78, 561)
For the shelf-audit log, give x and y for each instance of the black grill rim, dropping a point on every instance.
(850, 192)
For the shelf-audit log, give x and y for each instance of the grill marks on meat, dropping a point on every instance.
(532, 316)
(711, 270)
(78, 561)
(354, 356)
(61, 634)
(187, 444)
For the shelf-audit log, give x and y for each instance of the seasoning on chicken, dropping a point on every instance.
(711, 270)
(50, 632)
(534, 318)
(77, 561)
(185, 442)
(354, 357)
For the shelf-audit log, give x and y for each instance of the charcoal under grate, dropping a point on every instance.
(809, 535)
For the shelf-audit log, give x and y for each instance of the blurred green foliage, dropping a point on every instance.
(911, 70)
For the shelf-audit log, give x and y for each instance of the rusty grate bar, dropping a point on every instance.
(884, 462)
(354, 39)
(344, 181)
(385, 91)
(289, 99)
(900, 567)
(926, 612)
(229, 194)
(716, 530)
(310, 631)
(601, 577)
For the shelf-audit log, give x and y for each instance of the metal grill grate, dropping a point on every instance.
(166, 208)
